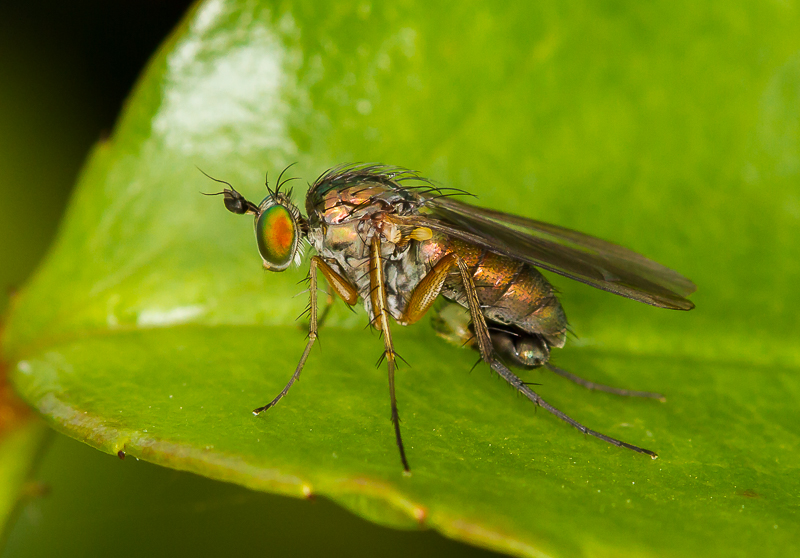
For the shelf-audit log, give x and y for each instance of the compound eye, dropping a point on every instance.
(276, 233)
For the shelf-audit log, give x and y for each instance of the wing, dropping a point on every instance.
(587, 259)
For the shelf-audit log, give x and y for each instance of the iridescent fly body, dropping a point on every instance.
(388, 237)
(344, 216)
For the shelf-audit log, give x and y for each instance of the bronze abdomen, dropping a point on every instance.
(511, 292)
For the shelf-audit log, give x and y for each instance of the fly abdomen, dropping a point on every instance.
(529, 303)
(514, 293)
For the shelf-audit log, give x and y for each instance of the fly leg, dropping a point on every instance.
(343, 288)
(487, 353)
(602, 387)
(453, 324)
(381, 322)
(426, 292)
(327, 310)
(338, 285)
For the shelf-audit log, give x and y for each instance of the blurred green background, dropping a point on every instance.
(65, 70)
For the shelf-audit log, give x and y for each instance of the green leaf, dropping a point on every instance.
(93, 501)
(672, 129)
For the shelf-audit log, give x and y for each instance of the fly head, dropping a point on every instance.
(279, 226)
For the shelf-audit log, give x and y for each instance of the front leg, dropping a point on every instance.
(343, 288)
(381, 321)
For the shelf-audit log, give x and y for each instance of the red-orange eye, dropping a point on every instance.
(276, 233)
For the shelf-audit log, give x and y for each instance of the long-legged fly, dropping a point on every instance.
(397, 242)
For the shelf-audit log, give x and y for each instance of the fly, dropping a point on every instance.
(390, 238)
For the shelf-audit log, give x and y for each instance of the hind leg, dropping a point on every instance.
(519, 349)
(483, 340)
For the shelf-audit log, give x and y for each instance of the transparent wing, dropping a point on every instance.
(593, 261)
